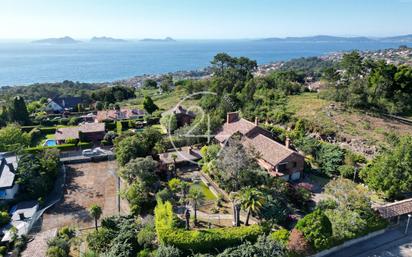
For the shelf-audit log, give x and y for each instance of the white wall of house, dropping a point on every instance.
(52, 106)
(10, 193)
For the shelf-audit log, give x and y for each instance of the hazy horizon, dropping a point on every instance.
(213, 19)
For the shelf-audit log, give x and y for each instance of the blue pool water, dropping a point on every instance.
(50, 142)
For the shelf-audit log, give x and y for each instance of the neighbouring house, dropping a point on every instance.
(8, 185)
(21, 218)
(93, 132)
(180, 157)
(278, 159)
(122, 114)
(62, 104)
(183, 116)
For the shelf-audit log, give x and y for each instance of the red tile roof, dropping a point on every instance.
(395, 209)
(73, 132)
(257, 139)
(118, 115)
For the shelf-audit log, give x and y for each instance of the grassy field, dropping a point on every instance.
(164, 101)
(358, 129)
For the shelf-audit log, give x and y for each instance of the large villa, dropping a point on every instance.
(278, 159)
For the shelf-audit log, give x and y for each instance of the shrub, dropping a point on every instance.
(47, 130)
(298, 244)
(317, 229)
(281, 236)
(168, 251)
(346, 171)
(4, 218)
(71, 141)
(200, 240)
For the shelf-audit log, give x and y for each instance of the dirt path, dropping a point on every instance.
(38, 246)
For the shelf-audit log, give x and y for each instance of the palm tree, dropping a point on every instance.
(174, 157)
(196, 197)
(234, 198)
(252, 201)
(95, 212)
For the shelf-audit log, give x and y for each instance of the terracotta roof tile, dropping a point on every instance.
(396, 208)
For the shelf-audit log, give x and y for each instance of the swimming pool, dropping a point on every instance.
(50, 142)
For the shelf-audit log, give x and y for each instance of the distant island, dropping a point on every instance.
(167, 39)
(106, 40)
(61, 40)
(328, 39)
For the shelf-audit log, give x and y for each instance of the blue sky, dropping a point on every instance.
(203, 19)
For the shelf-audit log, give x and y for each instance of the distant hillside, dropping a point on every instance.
(325, 38)
(404, 38)
(320, 38)
(106, 40)
(168, 39)
(61, 40)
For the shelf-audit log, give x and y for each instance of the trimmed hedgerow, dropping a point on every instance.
(199, 241)
(62, 147)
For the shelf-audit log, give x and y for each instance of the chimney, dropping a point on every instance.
(232, 117)
(287, 142)
(256, 121)
(21, 216)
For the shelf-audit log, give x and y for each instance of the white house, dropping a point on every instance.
(61, 104)
(8, 186)
(22, 219)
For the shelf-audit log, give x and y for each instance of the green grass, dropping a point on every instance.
(164, 101)
(205, 189)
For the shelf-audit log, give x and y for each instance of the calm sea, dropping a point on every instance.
(26, 63)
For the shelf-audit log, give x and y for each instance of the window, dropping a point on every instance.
(282, 167)
(295, 164)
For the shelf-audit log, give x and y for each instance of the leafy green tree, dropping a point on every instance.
(317, 229)
(264, 246)
(352, 64)
(167, 84)
(99, 105)
(95, 212)
(12, 138)
(150, 83)
(36, 173)
(252, 201)
(329, 157)
(391, 171)
(149, 105)
(169, 122)
(128, 149)
(274, 210)
(138, 196)
(196, 197)
(236, 167)
(17, 111)
(142, 169)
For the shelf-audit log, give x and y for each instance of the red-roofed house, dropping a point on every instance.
(123, 114)
(278, 159)
(88, 131)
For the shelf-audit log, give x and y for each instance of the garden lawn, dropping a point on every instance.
(205, 189)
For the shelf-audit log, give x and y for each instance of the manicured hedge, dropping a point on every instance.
(27, 128)
(199, 241)
(62, 147)
(48, 130)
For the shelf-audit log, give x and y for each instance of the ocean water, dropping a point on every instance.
(26, 63)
